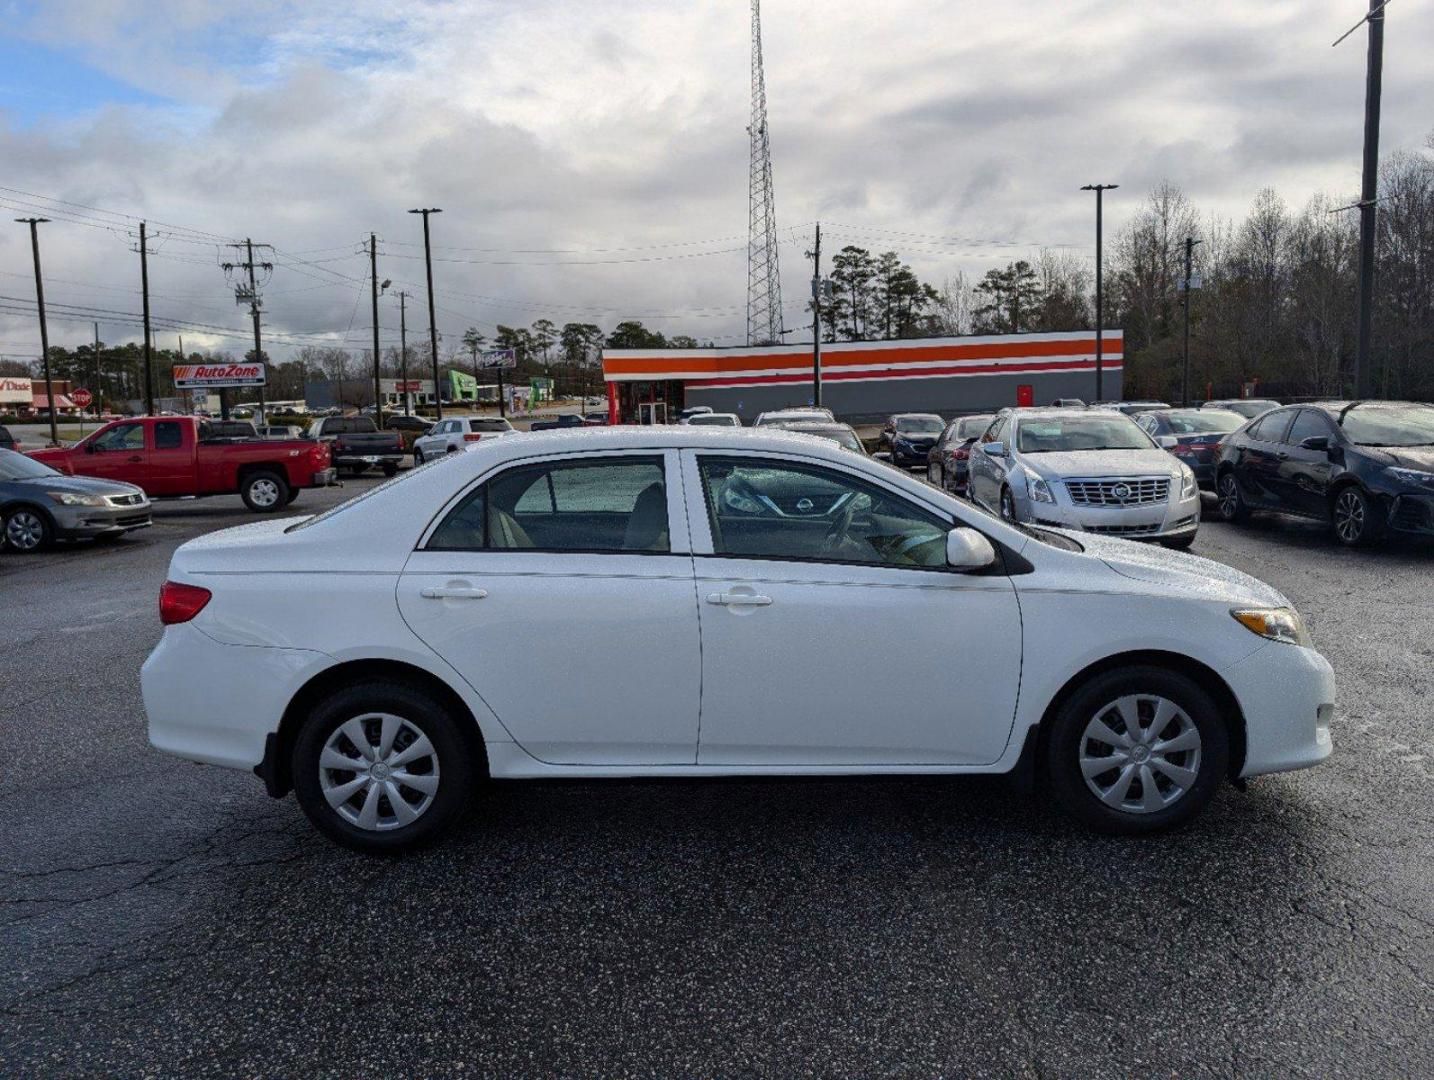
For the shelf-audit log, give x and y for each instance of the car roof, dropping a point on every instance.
(816, 425)
(1048, 412)
(923, 415)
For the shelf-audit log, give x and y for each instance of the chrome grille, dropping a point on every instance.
(1133, 492)
(132, 499)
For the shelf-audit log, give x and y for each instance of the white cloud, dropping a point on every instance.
(556, 124)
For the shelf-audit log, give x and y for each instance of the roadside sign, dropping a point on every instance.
(81, 397)
(498, 358)
(413, 386)
(193, 376)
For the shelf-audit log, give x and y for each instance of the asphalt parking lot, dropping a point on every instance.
(164, 918)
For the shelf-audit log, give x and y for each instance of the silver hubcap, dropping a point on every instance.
(264, 492)
(25, 530)
(1140, 754)
(1349, 517)
(379, 772)
(1229, 497)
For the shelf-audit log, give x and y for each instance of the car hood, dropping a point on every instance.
(82, 485)
(1407, 457)
(1177, 569)
(1083, 463)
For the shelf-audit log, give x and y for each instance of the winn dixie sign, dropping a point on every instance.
(201, 376)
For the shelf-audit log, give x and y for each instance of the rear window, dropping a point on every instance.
(489, 425)
(1204, 422)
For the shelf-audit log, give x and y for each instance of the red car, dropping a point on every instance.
(170, 456)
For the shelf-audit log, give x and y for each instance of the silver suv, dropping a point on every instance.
(1087, 470)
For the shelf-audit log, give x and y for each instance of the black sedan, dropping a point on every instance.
(1196, 435)
(910, 437)
(949, 465)
(1367, 467)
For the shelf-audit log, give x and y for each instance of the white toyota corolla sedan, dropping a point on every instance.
(689, 601)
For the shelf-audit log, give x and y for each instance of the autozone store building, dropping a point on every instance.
(867, 380)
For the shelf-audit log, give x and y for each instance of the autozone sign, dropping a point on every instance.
(201, 376)
(16, 391)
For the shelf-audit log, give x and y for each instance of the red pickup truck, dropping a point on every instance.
(169, 456)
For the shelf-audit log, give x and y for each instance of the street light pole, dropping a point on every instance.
(1100, 190)
(432, 319)
(35, 223)
(1190, 243)
(403, 345)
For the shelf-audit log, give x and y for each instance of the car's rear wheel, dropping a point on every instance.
(417, 457)
(381, 766)
(1231, 503)
(264, 491)
(1354, 517)
(1137, 750)
(28, 530)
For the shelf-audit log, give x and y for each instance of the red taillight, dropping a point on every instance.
(472, 436)
(961, 454)
(179, 603)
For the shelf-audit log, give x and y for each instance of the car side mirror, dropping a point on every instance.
(1315, 442)
(968, 550)
(1167, 442)
(994, 449)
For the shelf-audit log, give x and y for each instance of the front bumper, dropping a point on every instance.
(1176, 517)
(1286, 693)
(1412, 514)
(87, 522)
(216, 703)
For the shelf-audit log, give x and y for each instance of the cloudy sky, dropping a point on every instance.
(590, 156)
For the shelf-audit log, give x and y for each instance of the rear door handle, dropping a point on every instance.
(452, 592)
(727, 599)
(135, 457)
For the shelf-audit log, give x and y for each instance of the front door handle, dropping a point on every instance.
(134, 457)
(452, 592)
(727, 599)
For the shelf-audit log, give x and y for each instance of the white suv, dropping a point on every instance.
(451, 436)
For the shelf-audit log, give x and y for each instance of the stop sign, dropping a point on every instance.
(81, 397)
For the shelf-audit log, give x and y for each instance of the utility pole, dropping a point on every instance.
(251, 294)
(373, 274)
(35, 223)
(99, 395)
(816, 254)
(1369, 187)
(403, 347)
(432, 319)
(1190, 243)
(1100, 190)
(144, 286)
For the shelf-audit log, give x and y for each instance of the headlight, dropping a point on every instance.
(1039, 490)
(1277, 624)
(1414, 476)
(1187, 483)
(69, 498)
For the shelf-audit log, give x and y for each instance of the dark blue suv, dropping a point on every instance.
(1366, 467)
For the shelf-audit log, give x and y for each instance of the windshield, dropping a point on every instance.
(844, 437)
(1112, 431)
(1204, 422)
(713, 420)
(1399, 425)
(15, 466)
(1250, 408)
(925, 425)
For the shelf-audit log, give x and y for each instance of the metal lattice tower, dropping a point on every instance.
(764, 282)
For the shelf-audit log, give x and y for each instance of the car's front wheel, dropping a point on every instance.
(381, 766)
(1354, 518)
(1137, 750)
(1231, 503)
(1008, 505)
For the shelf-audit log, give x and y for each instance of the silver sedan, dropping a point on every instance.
(1085, 470)
(39, 505)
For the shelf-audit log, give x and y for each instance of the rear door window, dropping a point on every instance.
(167, 435)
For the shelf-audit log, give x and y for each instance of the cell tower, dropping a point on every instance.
(764, 282)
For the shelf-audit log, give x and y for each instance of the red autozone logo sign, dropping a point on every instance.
(193, 376)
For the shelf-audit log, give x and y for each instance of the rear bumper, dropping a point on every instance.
(391, 457)
(1286, 693)
(324, 477)
(216, 703)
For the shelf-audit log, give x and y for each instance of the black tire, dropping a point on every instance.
(355, 470)
(1097, 699)
(264, 491)
(1008, 505)
(28, 529)
(1179, 543)
(418, 458)
(1353, 517)
(293, 494)
(454, 767)
(940, 480)
(390, 468)
(1230, 500)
